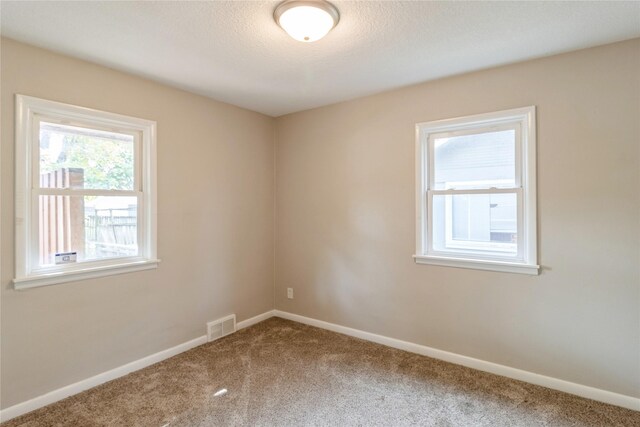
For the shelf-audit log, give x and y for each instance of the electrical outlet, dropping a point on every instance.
(290, 293)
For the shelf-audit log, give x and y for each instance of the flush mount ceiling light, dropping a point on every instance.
(306, 20)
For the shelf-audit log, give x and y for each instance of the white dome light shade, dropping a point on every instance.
(306, 21)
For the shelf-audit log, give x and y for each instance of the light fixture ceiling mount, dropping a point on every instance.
(306, 20)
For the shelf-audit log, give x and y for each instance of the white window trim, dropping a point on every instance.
(27, 273)
(526, 262)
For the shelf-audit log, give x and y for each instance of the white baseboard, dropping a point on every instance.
(255, 319)
(61, 393)
(481, 365)
(70, 390)
(553, 383)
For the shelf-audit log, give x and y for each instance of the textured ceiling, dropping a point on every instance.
(234, 52)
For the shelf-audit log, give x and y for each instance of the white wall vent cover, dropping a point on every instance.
(221, 327)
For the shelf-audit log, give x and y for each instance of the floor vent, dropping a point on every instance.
(221, 327)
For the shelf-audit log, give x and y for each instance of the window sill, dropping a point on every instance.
(502, 266)
(53, 278)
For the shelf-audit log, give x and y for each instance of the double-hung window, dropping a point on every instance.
(476, 192)
(85, 193)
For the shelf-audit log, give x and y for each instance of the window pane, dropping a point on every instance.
(93, 227)
(480, 160)
(75, 157)
(485, 223)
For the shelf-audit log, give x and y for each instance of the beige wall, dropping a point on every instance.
(215, 222)
(345, 221)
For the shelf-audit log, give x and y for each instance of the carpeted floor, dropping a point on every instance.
(282, 373)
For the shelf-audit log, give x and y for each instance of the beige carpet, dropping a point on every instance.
(288, 374)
